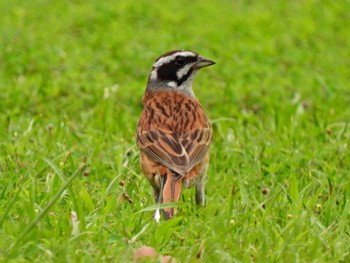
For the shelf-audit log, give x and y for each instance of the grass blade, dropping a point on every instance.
(32, 224)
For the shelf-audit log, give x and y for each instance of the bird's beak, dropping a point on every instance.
(203, 62)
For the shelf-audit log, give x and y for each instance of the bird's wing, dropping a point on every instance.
(164, 148)
(178, 153)
(196, 144)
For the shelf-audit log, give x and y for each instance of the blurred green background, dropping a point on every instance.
(72, 77)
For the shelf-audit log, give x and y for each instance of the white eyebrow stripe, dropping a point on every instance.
(167, 59)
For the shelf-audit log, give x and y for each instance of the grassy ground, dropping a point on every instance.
(72, 75)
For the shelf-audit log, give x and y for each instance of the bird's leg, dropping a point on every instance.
(163, 180)
(156, 194)
(159, 196)
(200, 196)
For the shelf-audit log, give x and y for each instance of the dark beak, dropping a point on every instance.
(203, 62)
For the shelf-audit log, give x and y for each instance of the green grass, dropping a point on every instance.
(72, 75)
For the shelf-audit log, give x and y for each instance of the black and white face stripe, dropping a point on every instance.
(174, 67)
(175, 70)
(170, 56)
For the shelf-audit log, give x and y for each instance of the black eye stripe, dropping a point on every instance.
(179, 60)
(182, 60)
(168, 71)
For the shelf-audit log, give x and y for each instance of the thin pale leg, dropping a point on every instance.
(200, 194)
(159, 197)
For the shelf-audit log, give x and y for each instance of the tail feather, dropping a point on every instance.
(171, 192)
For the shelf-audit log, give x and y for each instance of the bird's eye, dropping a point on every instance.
(180, 61)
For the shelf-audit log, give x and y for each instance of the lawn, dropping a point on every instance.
(72, 77)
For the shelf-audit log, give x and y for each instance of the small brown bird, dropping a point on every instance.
(173, 133)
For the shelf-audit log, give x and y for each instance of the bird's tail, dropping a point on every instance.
(171, 191)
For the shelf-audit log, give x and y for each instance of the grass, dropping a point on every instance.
(72, 75)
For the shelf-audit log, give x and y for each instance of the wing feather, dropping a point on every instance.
(178, 153)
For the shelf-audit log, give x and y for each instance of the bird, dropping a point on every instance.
(173, 132)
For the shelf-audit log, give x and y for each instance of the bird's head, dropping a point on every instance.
(175, 70)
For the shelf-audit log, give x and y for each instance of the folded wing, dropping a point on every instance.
(179, 153)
